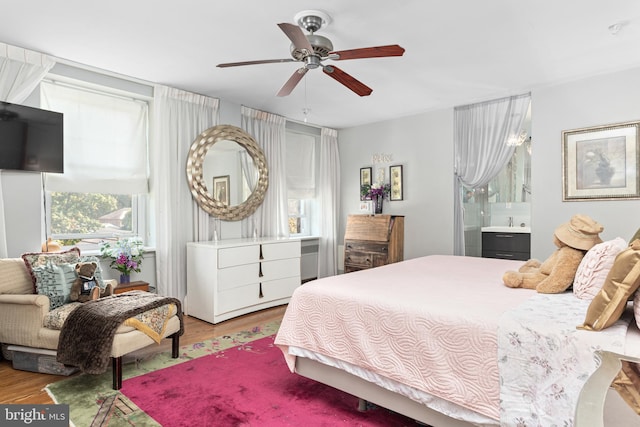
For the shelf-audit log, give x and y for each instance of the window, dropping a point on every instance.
(301, 181)
(103, 192)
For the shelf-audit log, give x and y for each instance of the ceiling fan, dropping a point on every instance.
(311, 49)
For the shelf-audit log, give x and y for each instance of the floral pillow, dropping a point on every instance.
(39, 259)
(594, 267)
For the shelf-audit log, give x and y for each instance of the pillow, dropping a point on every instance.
(54, 281)
(15, 277)
(621, 282)
(595, 266)
(35, 259)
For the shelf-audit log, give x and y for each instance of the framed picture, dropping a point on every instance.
(221, 189)
(365, 179)
(395, 177)
(366, 207)
(600, 163)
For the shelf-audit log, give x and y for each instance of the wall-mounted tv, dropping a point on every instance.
(30, 139)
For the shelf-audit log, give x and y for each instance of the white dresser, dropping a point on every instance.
(229, 278)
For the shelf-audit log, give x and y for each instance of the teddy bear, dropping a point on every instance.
(86, 287)
(555, 275)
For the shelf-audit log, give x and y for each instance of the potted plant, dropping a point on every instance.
(126, 256)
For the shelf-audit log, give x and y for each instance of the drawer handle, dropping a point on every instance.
(508, 236)
(505, 255)
(260, 294)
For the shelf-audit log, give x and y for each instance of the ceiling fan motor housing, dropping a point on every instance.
(321, 47)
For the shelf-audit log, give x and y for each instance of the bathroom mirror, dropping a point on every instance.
(227, 172)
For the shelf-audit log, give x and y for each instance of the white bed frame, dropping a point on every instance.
(600, 406)
(373, 393)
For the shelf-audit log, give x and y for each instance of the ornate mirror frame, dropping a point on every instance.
(195, 161)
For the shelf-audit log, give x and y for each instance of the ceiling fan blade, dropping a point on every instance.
(263, 61)
(296, 36)
(347, 80)
(368, 52)
(293, 81)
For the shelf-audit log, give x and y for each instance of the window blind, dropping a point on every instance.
(105, 141)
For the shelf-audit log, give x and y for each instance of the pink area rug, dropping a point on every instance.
(248, 385)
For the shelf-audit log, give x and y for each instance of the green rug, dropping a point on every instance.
(93, 402)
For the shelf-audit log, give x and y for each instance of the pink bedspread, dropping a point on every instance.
(430, 323)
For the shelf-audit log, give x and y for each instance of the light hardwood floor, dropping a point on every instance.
(24, 387)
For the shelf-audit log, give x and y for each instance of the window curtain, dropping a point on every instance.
(481, 132)
(328, 202)
(179, 117)
(21, 71)
(105, 141)
(271, 218)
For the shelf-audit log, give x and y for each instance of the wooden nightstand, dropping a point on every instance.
(138, 285)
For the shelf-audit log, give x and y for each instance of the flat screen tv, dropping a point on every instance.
(30, 139)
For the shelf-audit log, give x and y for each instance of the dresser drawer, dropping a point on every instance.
(239, 255)
(248, 295)
(365, 246)
(281, 268)
(234, 277)
(364, 259)
(281, 250)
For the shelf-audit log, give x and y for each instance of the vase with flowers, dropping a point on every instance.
(376, 192)
(126, 256)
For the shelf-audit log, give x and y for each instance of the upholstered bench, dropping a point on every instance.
(23, 313)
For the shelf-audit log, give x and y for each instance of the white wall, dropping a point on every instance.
(606, 99)
(423, 145)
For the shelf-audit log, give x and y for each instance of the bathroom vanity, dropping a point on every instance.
(506, 242)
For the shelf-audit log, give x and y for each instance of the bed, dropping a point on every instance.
(442, 340)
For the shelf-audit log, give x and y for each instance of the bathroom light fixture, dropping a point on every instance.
(517, 140)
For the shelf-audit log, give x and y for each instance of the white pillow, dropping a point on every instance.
(595, 266)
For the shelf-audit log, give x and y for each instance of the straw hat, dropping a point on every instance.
(581, 232)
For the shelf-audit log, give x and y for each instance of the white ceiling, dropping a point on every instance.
(457, 51)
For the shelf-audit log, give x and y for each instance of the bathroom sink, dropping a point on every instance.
(505, 229)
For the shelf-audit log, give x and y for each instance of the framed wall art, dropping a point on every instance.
(395, 176)
(600, 163)
(365, 179)
(221, 189)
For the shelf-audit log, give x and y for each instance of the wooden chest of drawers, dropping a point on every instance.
(373, 240)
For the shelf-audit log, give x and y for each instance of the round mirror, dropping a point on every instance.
(227, 172)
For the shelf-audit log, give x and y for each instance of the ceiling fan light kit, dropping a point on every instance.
(311, 49)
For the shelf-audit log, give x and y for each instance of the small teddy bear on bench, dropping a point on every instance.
(86, 286)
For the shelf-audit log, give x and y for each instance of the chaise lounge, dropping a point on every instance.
(23, 317)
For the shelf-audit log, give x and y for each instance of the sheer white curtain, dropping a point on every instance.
(179, 117)
(328, 202)
(21, 71)
(481, 132)
(271, 218)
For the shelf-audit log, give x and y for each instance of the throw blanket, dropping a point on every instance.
(544, 360)
(87, 335)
